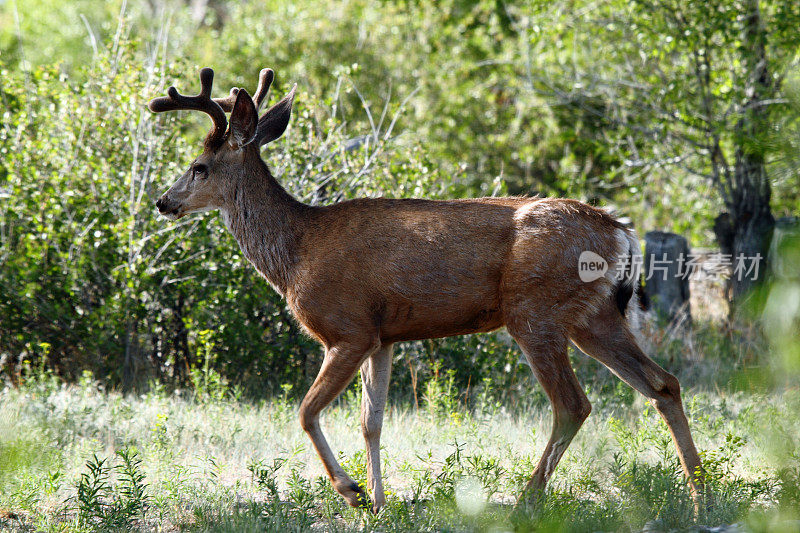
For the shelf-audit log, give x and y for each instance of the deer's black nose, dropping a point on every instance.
(160, 204)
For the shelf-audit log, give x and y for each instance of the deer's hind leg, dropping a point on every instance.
(608, 339)
(545, 348)
(375, 374)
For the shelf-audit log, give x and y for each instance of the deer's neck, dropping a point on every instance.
(267, 222)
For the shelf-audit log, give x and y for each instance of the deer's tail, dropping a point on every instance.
(628, 292)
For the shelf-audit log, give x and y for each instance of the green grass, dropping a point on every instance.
(75, 457)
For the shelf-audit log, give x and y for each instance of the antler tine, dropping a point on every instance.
(265, 78)
(202, 102)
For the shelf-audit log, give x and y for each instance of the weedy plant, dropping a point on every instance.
(105, 505)
(207, 382)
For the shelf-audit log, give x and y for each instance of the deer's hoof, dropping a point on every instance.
(532, 495)
(377, 506)
(356, 497)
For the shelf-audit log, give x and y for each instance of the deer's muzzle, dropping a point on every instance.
(168, 207)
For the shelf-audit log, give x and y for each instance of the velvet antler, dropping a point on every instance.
(202, 102)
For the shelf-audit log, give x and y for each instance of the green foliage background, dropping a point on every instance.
(451, 98)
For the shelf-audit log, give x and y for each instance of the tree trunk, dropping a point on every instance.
(753, 223)
(744, 231)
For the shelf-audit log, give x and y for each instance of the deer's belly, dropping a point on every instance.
(435, 325)
(440, 316)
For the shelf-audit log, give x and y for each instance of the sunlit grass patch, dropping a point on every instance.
(233, 465)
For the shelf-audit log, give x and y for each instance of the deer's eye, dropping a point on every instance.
(200, 170)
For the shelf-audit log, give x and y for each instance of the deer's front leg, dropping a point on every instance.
(338, 368)
(375, 374)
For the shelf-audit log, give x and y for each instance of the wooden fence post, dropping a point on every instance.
(784, 250)
(666, 280)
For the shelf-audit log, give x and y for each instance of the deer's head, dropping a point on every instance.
(228, 149)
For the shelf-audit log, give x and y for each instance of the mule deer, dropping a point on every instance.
(364, 274)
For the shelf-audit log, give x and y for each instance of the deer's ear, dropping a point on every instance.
(244, 120)
(273, 122)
